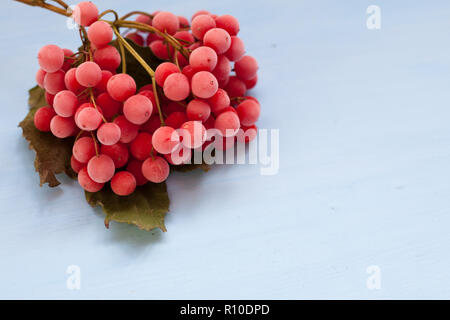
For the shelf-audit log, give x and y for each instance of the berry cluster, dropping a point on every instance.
(127, 135)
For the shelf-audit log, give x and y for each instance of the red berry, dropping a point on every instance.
(155, 169)
(227, 123)
(123, 183)
(101, 168)
(135, 168)
(141, 146)
(42, 118)
(87, 183)
(117, 152)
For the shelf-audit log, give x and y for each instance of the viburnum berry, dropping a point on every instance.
(51, 58)
(164, 70)
(184, 22)
(101, 168)
(204, 84)
(85, 13)
(141, 146)
(83, 149)
(88, 74)
(71, 82)
(87, 183)
(185, 37)
(176, 119)
(108, 133)
(62, 127)
(218, 39)
(160, 49)
(219, 101)
(100, 34)
(222, 71)
(65, 103)
(176, 87)
(54, 82)
(165, 139)
(251, 83)
(227, 123)
(137, 109)
(193, 134)
(117, 152)
(128, 130)
(69, 59)
(40, 75)
(202, 23)
(107, 57)
(136, 37)
(155, 169)
(121, 86)
(123, 183)
(236, 50)
(101, 86)
(203, 59)
(235, 87)
(198, 110)
(109, 106)
(88, 119)
(135, 168)
(166, 22)
(248, 112)
(246, 68)
(76, 165)
(42, 118)
(228, 23)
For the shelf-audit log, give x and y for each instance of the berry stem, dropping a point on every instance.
(161, 118)
(95, 144)
(143, 27)
(144, 65)
(91, 94)
(133, 52)
(116, 16)
(43, 4)
(175, 58)
(61, 3)
(124, 61)
(136, 12)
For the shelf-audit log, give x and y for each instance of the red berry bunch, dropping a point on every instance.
(126, 135)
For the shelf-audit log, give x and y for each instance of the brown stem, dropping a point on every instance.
(91, 94)
(136, 12)
(144, 65)
(116, 16)
(61, 3)
(43, 4)
(143, 27)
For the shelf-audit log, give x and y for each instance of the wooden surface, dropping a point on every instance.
(363, 181)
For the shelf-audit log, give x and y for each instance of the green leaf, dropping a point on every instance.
(145, 208)
(134, 68)
(52, 154)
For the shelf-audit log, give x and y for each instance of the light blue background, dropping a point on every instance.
(364, 168)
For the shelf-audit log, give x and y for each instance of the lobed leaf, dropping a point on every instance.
(145, 208)
(52, 154)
